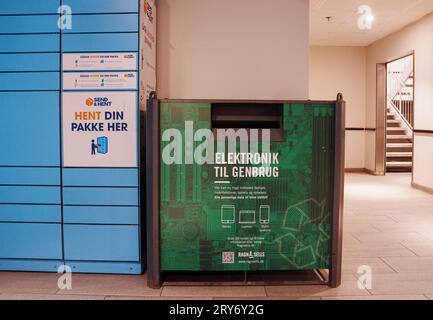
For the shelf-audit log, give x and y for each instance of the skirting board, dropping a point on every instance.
(354, 170)
(361, 170)
(422, 188)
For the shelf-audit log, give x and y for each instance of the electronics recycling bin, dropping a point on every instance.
(72, 79)
(244, 210)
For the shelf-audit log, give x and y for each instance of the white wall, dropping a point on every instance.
(233, 49)
(417, 37)
(342, 69)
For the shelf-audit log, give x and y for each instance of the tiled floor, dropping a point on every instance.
(388, 226)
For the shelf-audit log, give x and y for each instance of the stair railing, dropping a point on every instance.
(404, 112)
(399, 96)
(396, 78)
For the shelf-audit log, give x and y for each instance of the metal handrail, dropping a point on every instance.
(398, 110)
(401, 98)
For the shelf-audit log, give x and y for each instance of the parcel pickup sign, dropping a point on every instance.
(92, 117)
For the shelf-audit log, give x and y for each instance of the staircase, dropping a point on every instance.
(399, 127)
(399, 146)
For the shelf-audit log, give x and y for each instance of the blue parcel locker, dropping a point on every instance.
(30, 213)
(98, 196)
(29, 176)
(87, 217)
(30, 62)
(103, 6)
(29, 7)
(101, 243)
(104, 23)
(103, 177)
(111, 42)
(101, 215)
(29, 128)
(29, 24)
(33, 81)
(29, 195)
(30, 241)
(29, 43)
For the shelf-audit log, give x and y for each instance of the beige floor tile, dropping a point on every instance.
(110, 285)
(348, 239)
(351, 265)
(401, 287)
(269, 298)
(410, 264)
(420, 249)
(391, 238)
(349, 287)
(154, 298)
(24, 296)
(376, 250)
(216, 292)
(407, 283)
(27, 282)
(382, 297)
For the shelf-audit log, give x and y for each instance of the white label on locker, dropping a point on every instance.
(100, 129)
(99, 61)
(99, 80)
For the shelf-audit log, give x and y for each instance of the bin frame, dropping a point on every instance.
(332, 277)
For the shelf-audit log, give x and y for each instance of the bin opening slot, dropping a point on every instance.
(247, 115)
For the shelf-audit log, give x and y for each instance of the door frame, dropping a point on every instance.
(381, 113)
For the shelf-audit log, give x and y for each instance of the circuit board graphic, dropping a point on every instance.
(287, 229)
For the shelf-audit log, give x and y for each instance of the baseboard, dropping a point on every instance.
(374, 173)
(360, 170)
(354, 170)
(422, 188)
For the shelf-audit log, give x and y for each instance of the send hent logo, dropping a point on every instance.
(99, 102)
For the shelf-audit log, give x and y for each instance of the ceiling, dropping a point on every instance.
(342, 29)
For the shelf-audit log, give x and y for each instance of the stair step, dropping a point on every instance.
(395, 129)
(399, 145)
(398, 164)
(399, 154)
(402, 136)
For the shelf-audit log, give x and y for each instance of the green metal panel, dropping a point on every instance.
(282, 223)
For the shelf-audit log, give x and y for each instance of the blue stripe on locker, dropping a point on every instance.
(30, 265)
(105, 23)
(29, 24)
(29, 134)
(30, 62)
(30, 43)
(101, 243)
(100, 177)
(30, 241)
(102, 6)
(100, 215)
(30, 213)
(100, 196)
(30, 195)
(30, 81)
(104, 267)
(100, 42)
(29, 7)
(29, 176)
